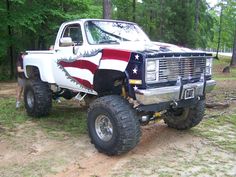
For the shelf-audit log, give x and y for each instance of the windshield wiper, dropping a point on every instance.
(109, 42)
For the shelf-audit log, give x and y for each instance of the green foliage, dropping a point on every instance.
(170, 20)
(182, 24)
(228, 24)
(33, 24)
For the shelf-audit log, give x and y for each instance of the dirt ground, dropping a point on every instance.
(29, 151)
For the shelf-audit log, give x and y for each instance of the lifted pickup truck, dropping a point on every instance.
(128, 80)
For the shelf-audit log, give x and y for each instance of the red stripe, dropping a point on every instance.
(81, 64)
(84, 82)
(115, 54)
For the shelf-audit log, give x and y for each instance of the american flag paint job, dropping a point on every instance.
(135, 69)
(82, 69)
(120, 55)
(115, 59)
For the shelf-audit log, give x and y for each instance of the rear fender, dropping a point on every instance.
(42, 62)
(34, 71)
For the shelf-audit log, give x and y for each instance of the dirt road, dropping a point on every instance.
(28, 150)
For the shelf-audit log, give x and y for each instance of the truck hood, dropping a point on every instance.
(150, 47)
(165, 47)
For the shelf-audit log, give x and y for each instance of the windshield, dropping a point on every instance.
(111, 32)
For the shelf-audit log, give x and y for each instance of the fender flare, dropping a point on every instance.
(33, 72)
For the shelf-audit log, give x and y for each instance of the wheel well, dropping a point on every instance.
(33, 72)
(108, 82)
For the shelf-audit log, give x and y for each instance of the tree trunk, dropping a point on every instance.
(233, 60)
(219, 35)
(10, 49)
(134, 10)
(107, 9)
(196, 20)
(161, 17)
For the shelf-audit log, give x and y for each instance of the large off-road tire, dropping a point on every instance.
(37, 98)
(113, 125)
(185, 118)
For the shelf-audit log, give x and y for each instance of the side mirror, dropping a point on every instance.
(66, 42)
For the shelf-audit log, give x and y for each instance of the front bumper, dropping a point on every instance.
(172, 93)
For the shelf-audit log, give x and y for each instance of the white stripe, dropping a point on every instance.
(113, 65)
(80, 73)
(93, 59)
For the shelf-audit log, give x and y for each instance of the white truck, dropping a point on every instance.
(128, 79)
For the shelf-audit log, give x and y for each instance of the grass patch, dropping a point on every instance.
(9, 115)
(223, 60)
(37, 168)
(63, 118)
(219, 65)
(170, 165)
(220, 131)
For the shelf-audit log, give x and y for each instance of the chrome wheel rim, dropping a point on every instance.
(30, 99)
(104, 128)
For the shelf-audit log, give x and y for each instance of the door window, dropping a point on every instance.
(74, 31)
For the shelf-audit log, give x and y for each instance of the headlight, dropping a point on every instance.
(208, 66)
(151, 66)
(151, 76)
(152, 71)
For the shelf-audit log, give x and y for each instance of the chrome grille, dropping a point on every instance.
(187, 68)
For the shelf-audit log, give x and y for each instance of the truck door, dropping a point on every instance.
(64, 52)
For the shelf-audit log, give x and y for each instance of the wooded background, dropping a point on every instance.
(33, 24)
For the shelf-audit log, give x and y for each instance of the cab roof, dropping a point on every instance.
(94, 19)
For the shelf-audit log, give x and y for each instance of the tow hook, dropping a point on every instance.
(145, 119)
(174, 104)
